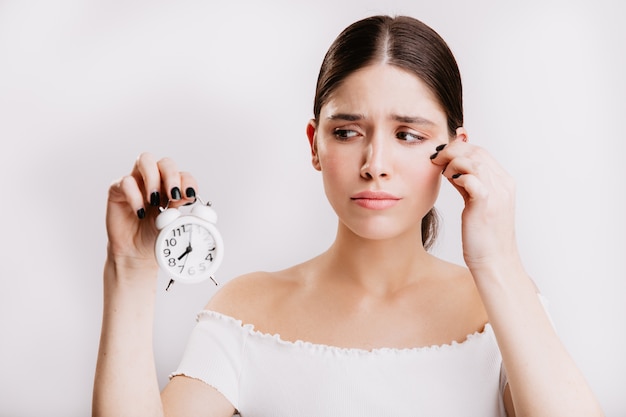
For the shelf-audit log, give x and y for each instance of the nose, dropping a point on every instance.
(376, 159)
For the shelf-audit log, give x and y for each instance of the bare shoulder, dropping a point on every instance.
(452, 274)
(461, 294)
(253, 297)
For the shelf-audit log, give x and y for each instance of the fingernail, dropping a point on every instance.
(176, 193)
(155, 199)
(440, 147)
(190, 192)
(141, 213)
(457, 175)
(433, 156)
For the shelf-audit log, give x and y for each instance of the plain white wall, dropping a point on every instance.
(226, 89)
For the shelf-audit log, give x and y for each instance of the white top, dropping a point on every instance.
(262, 375)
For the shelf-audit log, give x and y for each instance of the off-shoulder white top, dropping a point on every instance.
(263, 375)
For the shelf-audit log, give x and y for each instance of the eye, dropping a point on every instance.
(345, 134)
(409, 137)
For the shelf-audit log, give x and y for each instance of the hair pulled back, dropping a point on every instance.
(406, 43)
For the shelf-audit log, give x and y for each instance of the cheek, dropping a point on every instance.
(426, 178)
(334, 163)
(335, 175)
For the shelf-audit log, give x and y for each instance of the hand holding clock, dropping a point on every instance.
(133, 204)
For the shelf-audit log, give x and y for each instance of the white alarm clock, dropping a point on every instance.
(189, 248)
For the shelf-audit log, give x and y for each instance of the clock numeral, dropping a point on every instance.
(179, 231)
(209, 257)
(167, 252)
(170, 242)
(171, 262)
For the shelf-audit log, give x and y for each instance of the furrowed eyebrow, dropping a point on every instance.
(413, 120)
(350, 117)
(346, 116)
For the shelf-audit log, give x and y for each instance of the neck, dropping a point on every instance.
(378, 266)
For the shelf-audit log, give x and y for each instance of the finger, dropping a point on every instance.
(466, 171)
(437, 158)
(131, 193)
(189, 185)
(170, 179)
(470, 186)
(460, 165)
(147, 169)
(445, 153)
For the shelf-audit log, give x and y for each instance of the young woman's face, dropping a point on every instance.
(373, 143)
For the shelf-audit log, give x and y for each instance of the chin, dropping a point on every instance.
(373, 230)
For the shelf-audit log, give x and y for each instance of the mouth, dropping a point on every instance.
(375, 200)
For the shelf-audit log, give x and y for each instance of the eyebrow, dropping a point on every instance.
(346, 116)
(413, 120)
(350, 117)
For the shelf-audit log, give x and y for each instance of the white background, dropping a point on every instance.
(226, 89)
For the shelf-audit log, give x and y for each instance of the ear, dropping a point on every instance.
(461, 134)
(311, 133)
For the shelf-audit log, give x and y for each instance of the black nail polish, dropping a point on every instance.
(457, 175)
(190, 192)
(155, 199)
(440, 147)
(433, 156)
(141, 213)
(176, 193)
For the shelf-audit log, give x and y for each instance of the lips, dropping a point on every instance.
(375, 200)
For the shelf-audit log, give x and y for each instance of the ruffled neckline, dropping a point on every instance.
(249, 329)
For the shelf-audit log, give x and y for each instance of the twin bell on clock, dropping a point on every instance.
(189, 248)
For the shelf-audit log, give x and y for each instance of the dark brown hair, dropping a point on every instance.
(408, 44)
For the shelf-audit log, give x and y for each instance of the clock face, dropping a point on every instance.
(189, 249)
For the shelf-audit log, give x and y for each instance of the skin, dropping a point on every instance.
(377, 132)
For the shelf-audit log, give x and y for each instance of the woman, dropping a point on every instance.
(375, 325)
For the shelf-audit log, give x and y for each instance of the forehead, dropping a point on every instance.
(383, 89)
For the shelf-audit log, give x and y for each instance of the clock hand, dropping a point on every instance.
(189, 248)
(186, 252)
